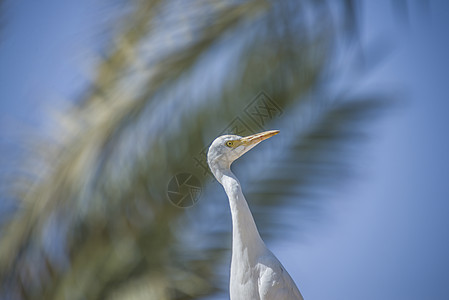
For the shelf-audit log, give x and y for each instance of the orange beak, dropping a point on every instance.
(258, 137)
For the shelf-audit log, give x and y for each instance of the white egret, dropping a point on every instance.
(256, 274)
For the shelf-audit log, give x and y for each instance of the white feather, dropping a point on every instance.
(255, 272)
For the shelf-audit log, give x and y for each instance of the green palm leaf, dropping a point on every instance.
(95, 222)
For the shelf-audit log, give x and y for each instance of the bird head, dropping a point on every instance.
(227, 148)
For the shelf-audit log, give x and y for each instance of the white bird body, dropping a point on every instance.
(255, 272)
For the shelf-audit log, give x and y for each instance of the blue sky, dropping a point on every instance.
(388, 236)
(42, 48)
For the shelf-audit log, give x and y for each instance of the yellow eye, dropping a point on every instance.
(229, 143)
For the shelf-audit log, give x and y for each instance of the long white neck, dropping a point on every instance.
(245, 236)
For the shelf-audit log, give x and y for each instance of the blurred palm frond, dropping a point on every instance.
(93, 218)
(319, 155)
